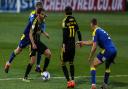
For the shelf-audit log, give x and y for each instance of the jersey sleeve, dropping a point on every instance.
(63, 23)
(94, 36)
(64, 30)
(32, 16)
(43, 27)
(76, 25)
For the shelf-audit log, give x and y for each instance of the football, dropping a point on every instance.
(45, 75)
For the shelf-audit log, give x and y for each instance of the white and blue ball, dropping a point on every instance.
(45, 75)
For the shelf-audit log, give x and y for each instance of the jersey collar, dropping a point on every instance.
(94, 32)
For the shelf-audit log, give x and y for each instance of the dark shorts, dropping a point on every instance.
(107, 55)
(40, 49)
(24, 41)
(69, 54)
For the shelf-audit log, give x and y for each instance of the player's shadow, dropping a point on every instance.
(118, 84)
(82, 81)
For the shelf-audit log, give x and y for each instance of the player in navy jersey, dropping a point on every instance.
(25, 41)
(108, 53)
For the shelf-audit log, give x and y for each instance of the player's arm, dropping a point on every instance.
(79, 35)
(43, 29)
(31, 35)
(46, 34)
(78, 31)
(64, 38)
(32, 40)
(64, 34)
(93, 49)
(87, 43)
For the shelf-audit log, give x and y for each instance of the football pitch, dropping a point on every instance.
(12, 26)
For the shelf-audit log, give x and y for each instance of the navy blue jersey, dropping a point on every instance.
(29, 25)
(102, 38)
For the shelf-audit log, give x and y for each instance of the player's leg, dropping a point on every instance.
(93, 67)
(66, 73)
(22, 44)
(64, 59)
(17, 51)
(47, 54)
(38, 69)
(110, 56)
(72, 71)
(12, 56)
(46, 51)
(71, 64)
(30, 64)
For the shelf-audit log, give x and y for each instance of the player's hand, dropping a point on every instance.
(79, 44)
(34, 46)
(48, 36)
(63, 48)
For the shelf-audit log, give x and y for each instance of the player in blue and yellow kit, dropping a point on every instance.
(108, 53)
(25, 41)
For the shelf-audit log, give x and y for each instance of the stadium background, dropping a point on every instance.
(12, 25)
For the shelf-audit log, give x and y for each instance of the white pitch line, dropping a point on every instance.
(113, 76)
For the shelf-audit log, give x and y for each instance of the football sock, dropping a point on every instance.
(72, 70)
(29, 67)
(65, 70)
(12, 57)
(93, 76)
(106, 76)
(38, 58)
(46, 63)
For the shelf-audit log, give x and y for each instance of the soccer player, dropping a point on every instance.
(25, 41)
(70, 27)
(108, 53)
(36, 44)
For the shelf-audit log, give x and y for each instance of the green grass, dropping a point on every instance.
(12, 26)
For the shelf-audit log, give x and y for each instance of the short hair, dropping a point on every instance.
(68, 10)
(94, 21)
(39, 5)
(39, 10)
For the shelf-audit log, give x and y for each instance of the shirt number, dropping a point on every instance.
(72, 31)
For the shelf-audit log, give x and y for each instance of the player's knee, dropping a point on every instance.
(96, 62)
(18, 50)
(33, 53)
(33, 59)
(63, 63)
(108, 70)
(71, 63)
(48, 53)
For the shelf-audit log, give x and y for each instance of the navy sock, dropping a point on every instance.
(106, 77)
(12, 56)
(93, 76)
